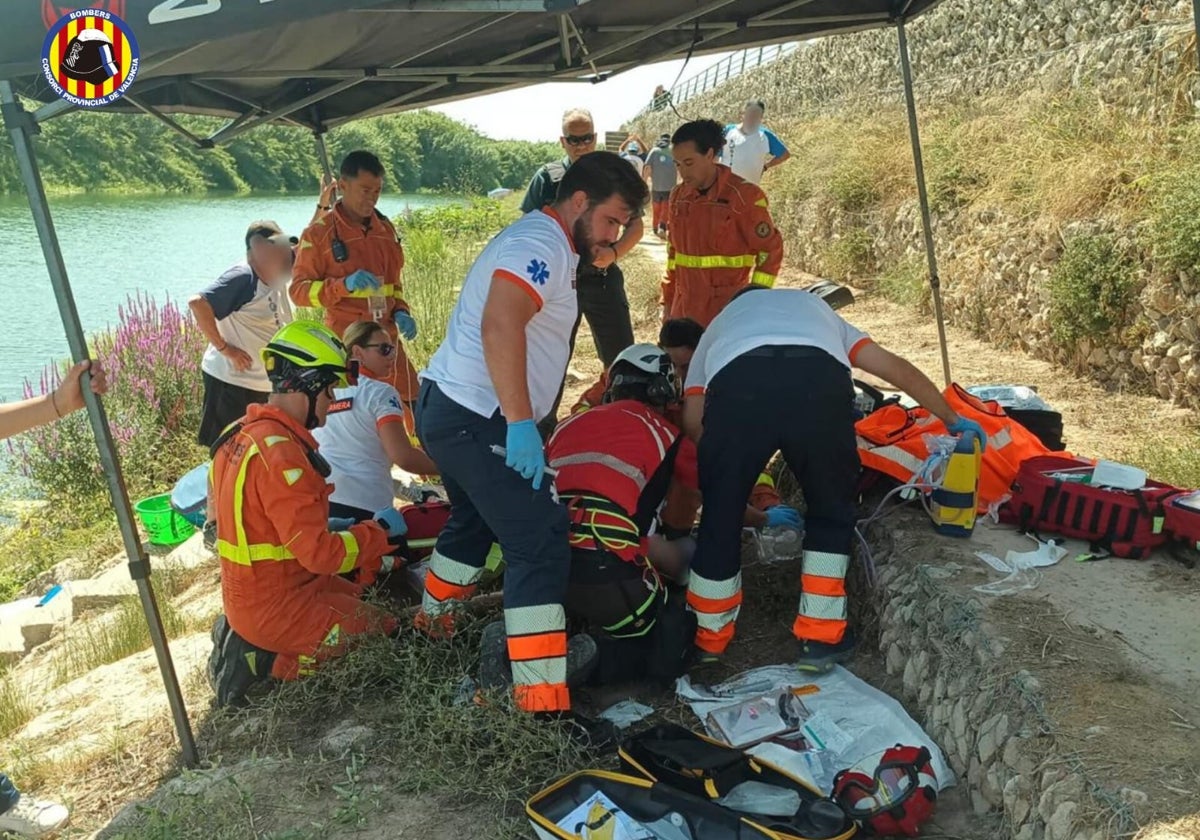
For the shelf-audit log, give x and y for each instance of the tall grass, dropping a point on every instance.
(111, 638)
(16, 704)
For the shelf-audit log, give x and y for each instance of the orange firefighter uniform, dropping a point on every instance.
(280, 564)
(319, 279)
(719, 241)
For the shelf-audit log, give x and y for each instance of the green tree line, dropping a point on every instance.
(421, 150)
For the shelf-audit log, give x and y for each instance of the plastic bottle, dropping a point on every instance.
(781, 543)
(954, 501)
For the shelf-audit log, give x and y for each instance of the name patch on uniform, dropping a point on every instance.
(763, 230)
(338, 406)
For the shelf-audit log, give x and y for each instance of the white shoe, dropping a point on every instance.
(33, 818)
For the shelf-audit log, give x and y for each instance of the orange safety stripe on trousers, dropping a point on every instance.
(818, 585)
(443, 591)
(714, 605)
(542, 698)
(537, 646)
(827, 630)
(714, 641)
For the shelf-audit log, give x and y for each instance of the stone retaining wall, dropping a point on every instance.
(1131, 51)
(991, 723)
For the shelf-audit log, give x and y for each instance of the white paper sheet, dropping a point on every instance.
(872, 720)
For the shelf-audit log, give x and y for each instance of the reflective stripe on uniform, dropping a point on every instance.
(350, 543)
(241, 552)
(314, 292)
(447, 580)
(716, 604)
(605, 460)
(386, 290)
(765, 479)
(715, 260)
(761, 278)
(537, 651)
(822, 607)
(825, 564)
(897, 455)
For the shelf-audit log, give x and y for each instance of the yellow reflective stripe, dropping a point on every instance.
(245, 555)
(765, 478)
(761, 278)
(387, 290)
(351, 546)
(314, 292)
(670, 263)
(762, 202)
(715, 260)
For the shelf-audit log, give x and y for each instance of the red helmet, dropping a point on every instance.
(898, 799)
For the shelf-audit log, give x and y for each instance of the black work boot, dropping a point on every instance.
(235, 666)
(820, 657)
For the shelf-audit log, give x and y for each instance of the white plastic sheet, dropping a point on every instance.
(870, 719)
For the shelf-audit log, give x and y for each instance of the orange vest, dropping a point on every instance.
(892, 441)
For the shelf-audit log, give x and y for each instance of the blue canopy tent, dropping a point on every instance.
(319, 64)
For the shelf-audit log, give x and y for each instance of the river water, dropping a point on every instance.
(115, 246)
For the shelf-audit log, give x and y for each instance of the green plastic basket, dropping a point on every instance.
(163, 524)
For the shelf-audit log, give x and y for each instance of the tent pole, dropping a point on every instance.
(1196, 25)
(21, 128)
(323, 153)
(935, 283)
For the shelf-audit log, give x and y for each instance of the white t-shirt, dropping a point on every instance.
(537, 254)
(248, 313)
(771, 317)
(747, 154)
(361, 472)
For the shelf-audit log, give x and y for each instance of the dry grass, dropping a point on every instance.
(111, 638)
(16, 704)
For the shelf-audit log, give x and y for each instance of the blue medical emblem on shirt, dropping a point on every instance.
(538, 272)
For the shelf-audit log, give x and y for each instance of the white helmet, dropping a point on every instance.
(648, 365)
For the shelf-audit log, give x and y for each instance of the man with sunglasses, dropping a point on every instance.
(238, 314)
(600, 285)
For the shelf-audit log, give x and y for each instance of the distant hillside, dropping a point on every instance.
(422, 150)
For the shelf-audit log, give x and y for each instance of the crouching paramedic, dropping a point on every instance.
(616, 464)
(679, 337)
(286, 607)
(771, 373)
(488, 384)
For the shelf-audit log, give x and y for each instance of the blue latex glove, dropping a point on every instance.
(783, 516)
(339, 523)
(393, 522)
(406, 324)
(361, 281)
(962, 425)
(524, 451)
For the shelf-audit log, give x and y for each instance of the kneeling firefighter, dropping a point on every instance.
(616, 465)
(286, 607)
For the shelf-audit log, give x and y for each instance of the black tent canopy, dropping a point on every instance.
(322, 63)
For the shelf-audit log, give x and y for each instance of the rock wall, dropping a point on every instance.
(989, 718)
(1132, 51)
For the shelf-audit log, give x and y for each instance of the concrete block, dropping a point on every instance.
(12, 644)
(100, 593)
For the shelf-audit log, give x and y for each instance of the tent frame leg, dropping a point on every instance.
(21, 128)
(935, 283)
(323, 153)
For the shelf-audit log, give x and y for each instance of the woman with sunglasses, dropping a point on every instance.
(364, 431)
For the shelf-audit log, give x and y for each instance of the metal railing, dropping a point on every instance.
(727, 68)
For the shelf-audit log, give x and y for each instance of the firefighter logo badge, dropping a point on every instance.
(90, 57)
(763, 230)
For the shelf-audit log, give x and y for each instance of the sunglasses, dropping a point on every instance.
(384, 348)
(580, 139)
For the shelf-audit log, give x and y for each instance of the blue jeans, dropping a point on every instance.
(8, 793)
